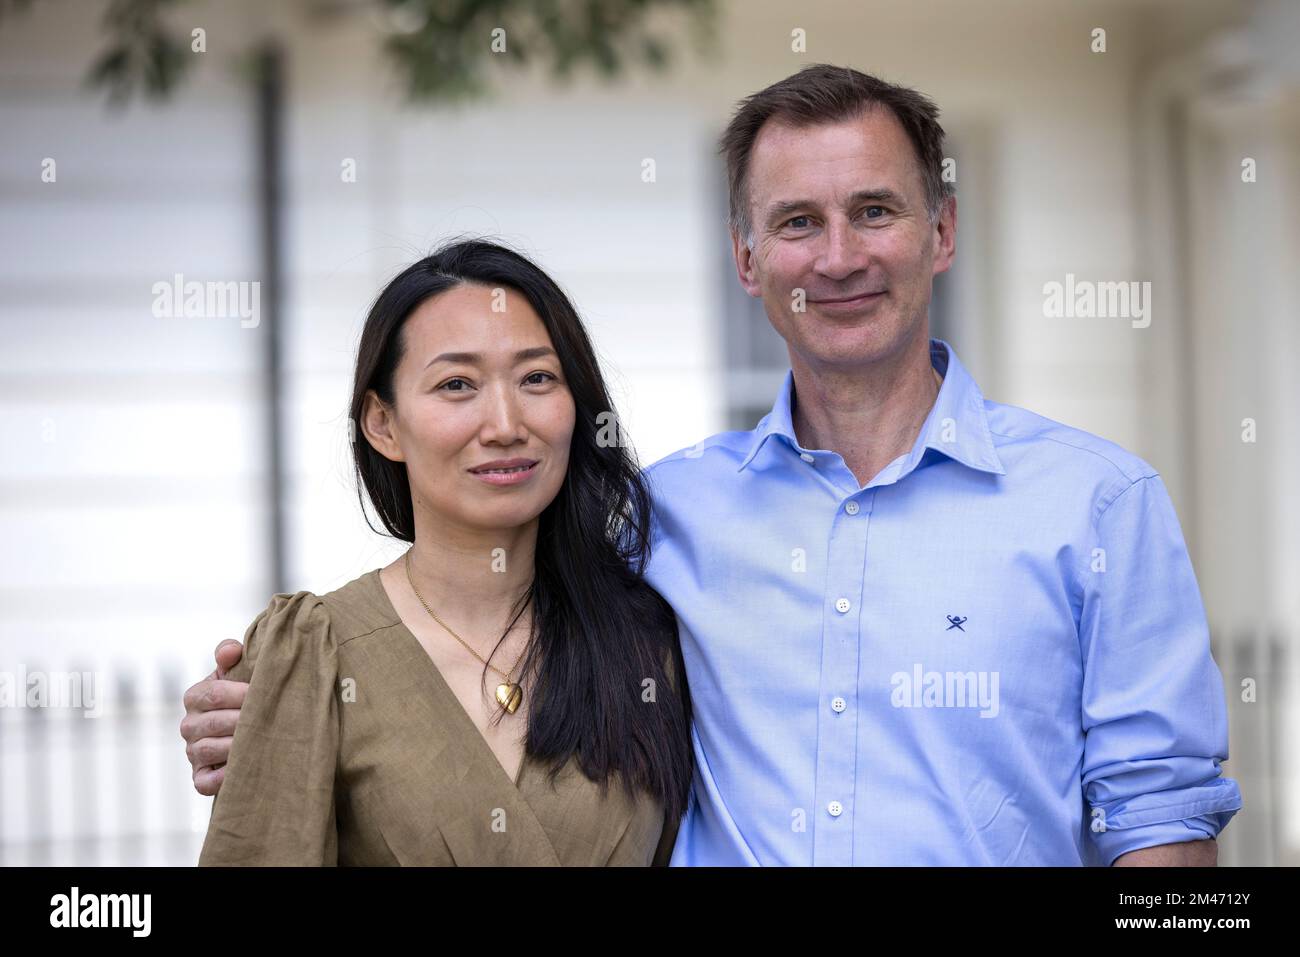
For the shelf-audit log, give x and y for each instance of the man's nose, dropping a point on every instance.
(843, 251)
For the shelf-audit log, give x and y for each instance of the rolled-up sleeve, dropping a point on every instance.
(276, 804)
(1153, 708)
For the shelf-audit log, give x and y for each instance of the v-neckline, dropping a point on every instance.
(446, 689)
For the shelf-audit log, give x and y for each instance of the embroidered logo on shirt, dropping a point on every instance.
(956, 622)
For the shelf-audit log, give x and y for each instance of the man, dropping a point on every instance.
(919, 627)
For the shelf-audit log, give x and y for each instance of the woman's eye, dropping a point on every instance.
(449, 382)
(532, 376)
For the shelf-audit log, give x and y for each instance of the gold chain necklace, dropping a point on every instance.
(509, 694)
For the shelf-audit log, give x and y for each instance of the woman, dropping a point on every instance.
(510, 691)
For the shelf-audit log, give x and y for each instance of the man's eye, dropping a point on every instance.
(450, 381)
(795, 222)
(881, 208)
(532, 375)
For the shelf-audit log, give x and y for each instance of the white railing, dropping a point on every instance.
(1257, 664)
(105, 783)
(114, 788)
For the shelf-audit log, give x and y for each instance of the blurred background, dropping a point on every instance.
(166, 470)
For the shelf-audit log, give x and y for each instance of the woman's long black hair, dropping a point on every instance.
(602, 631)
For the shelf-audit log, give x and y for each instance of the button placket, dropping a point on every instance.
(837, 733)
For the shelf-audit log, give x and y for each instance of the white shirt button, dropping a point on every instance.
(851, 508)
(805, 456)
(835, 808)
(838, 704)
(842, 605)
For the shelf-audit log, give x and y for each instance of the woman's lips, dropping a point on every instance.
(510, 477)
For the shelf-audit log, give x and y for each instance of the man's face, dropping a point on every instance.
(838, 211)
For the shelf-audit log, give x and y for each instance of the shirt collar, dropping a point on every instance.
(957, 425)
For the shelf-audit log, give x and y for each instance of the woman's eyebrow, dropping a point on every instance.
(522, 355)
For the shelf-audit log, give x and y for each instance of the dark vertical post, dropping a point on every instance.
(270, 117)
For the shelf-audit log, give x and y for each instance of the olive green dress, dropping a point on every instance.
(352, 749)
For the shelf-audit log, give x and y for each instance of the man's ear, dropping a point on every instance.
(945, 229)
(745, 270)
(377, 426)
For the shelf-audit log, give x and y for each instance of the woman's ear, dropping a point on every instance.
(377, 425)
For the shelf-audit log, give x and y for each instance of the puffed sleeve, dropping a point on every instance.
(1154, 712)
(276, 804)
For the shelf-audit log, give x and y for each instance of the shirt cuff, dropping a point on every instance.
(1149, 820)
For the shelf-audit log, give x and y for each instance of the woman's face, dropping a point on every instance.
(479, 391)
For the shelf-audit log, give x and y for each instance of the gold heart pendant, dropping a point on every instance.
(509, 697)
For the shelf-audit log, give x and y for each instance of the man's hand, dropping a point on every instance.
(1203, 853)
(211, 710)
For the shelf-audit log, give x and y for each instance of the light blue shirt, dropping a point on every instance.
(993, 653)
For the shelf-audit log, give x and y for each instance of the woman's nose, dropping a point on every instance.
(502, 418)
